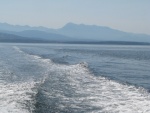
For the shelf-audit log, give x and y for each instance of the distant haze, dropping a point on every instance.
(69, 33)
(125, 15)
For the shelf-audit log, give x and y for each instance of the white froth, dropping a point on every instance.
(18, 49)
(18, 97)
(106, 95)
(110, 96)
(15, 97)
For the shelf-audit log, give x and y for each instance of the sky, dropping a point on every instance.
(126, 15)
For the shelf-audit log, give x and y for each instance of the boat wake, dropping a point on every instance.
(65, 88)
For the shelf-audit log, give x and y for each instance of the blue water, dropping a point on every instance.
(64, 78)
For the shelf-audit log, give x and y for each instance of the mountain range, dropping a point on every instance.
(69, 33)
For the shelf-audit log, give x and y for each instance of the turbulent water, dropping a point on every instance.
(59, 78)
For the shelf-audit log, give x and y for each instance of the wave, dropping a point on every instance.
(73, 88)
(18, 49)
(17, 97)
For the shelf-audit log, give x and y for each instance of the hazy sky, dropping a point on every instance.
(126, 15)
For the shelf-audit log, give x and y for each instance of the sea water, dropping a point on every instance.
(65, 78)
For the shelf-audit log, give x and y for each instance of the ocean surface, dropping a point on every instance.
(64, 78)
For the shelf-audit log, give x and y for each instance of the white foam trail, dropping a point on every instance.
(18, 49)
(36, 57)
(17, 97)
(106, 95)
(110, 96)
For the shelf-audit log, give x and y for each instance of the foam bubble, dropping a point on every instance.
(18, 49)
(17, 97)
(98, 92)
(108, 95)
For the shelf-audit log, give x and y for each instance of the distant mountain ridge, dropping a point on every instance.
(100, 33)
(18, 28)
(73, 32)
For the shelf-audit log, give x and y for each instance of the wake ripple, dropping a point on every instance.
(71, 89)
(17, 97)
(76, 89)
